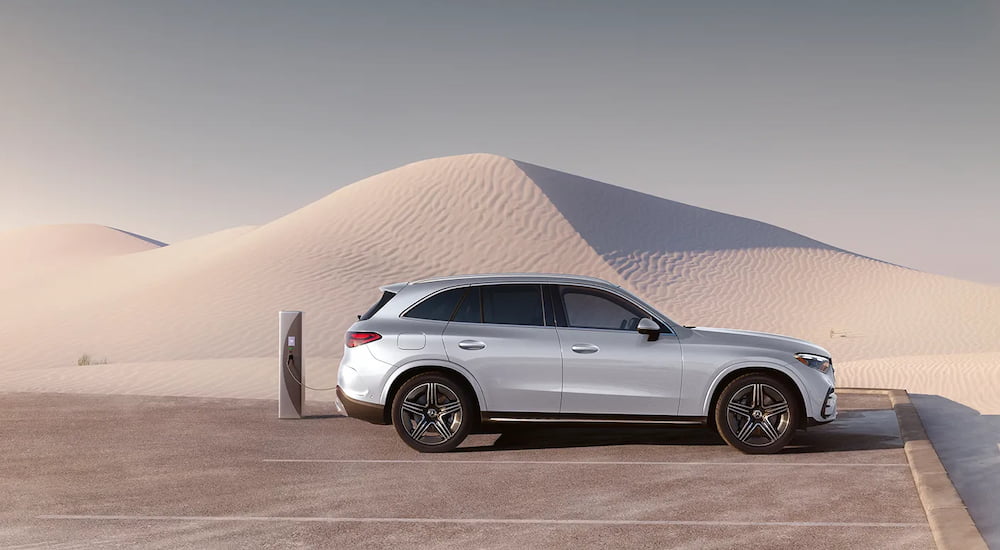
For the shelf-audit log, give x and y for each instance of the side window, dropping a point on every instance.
(513, 305)
(589, 308)
(438, 307)
(470, 310)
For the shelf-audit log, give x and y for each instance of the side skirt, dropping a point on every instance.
(577, 418)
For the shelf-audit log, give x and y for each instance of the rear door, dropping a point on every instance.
(499, 334)
(608, 367)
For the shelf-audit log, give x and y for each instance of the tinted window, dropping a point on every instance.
(512, 305)
(470, 310)
(586, 308)
(386, 296)
(438, 307)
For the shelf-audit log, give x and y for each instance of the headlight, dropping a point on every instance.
(817, 362)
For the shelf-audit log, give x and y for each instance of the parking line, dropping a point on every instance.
(510, 521)
(580, 462)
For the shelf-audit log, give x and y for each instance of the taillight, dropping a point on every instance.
(355, 339)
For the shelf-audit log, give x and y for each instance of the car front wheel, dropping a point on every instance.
(757, 414)
(432, 413)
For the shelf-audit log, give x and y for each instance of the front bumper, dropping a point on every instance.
(828, 410)
(369, 412)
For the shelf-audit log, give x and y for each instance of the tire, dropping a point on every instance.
(757, 413)
(433, 425)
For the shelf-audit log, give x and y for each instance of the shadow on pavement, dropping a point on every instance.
(968, 444)
(557, 437)
(856, 430)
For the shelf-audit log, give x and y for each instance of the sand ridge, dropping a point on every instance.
(41, 252)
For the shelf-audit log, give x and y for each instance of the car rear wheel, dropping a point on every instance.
(757, 413)
(432, 413)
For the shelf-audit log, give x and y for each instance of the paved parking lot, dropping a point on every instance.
(114, 471)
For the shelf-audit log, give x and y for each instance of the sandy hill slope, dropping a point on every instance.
(33, 252)
(217, 296)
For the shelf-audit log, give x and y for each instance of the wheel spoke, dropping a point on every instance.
(442, 427)
(421, 429)
(769, 431)
(431, 394)
(756, 397)
(451, 407)
(739, 408)
(746, 430)
(775, 409)
(412, 408)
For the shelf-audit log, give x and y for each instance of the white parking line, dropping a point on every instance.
(511, 521)
(581, 462)
(56, 545)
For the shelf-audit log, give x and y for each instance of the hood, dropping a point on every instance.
(760, 339)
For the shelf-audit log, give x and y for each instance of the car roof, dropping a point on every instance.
(515, 277)
(485, 278)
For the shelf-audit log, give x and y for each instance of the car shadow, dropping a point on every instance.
(854, 432)
(559, 437)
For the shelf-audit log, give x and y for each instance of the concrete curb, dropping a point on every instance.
(950, 522)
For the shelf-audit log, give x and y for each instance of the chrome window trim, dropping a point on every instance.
(668, 329)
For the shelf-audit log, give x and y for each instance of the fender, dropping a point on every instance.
(756, 363)
(396, 372)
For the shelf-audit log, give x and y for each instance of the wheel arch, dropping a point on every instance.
(406, 372)
(728, 376)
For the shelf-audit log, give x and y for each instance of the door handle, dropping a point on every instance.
(584, 348)
(471, 344)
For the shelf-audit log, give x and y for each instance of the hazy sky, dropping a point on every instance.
(873, 126)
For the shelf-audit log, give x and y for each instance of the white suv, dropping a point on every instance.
(441, 357)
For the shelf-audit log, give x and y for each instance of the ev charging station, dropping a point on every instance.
(291, 386)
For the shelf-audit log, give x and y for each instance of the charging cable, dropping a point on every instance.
(291, 364)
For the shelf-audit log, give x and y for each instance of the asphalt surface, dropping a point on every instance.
(121, 471)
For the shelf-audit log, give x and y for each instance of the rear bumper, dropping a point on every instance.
(369, 412)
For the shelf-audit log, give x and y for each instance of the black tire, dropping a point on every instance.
(757, 413)
(441, 423)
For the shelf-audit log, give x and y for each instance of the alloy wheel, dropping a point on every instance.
(431, 413)
(758, 414)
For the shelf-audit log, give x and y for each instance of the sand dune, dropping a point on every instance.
(968, 378)
(37, 252)
(216, 296)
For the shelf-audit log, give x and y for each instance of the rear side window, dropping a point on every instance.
(438, 307)
(386, 296)
(470, 310)
(513, 305)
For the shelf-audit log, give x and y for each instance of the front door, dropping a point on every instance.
(608, 367)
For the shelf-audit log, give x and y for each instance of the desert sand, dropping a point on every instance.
(198, 317)
(88, 289)
(216, 296)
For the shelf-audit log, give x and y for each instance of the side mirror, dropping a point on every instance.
(648, 327)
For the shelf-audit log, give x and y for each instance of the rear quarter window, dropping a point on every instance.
(386, 296)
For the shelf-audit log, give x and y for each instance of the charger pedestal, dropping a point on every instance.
(291, 392)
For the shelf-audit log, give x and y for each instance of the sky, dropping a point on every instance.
(871, 125)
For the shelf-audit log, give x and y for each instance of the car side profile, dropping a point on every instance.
(441, 357)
